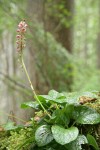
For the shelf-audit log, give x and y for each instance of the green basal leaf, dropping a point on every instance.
(30, 104)
(62, 116)
(77, 144)
(43, 135)
(86, 115)
(64, 136)
(59, 117)
(68, 109)
(92, 141)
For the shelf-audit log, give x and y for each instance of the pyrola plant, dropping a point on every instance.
(20, 45)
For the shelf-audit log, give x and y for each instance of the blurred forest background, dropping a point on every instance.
(62, 50)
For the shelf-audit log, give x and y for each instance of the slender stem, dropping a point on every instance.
(24, 67)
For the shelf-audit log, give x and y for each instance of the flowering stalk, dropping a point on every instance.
(20, 45)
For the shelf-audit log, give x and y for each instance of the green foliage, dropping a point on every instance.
(43, 135)
(86, 115)
(64, 136)
(62, 130)
(77, 144)
(62, 116)
(30, 104)
(92, 141)
(63, 127)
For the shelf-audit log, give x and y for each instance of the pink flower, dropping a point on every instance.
(18, 30)
(20, 37)
(22, 26)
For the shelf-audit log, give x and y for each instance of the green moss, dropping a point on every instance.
(17, 139)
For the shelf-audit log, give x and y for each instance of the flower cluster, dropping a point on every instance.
(20, 36)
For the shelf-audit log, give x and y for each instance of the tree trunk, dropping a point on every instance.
(62, 33)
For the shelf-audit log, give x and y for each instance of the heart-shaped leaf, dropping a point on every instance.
(86, 115)
(43, 135)
(64, 136)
